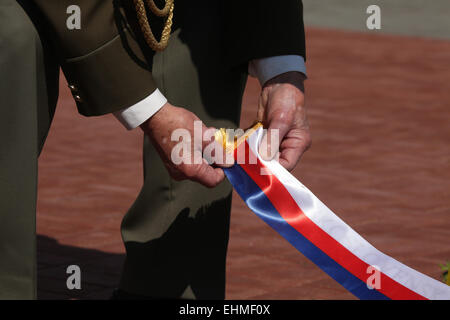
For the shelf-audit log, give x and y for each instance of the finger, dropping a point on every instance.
(228, 161)
(289, 158)
(209, 176)
(292, 151)
(213, 151)
(262, 103)
(272, 138)
(223, 159)
(209, 134)
(203, 173)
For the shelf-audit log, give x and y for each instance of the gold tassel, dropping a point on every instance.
(229, 144)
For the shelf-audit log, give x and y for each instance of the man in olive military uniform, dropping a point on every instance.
(176, 232)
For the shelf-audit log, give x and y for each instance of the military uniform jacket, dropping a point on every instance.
(102, 61)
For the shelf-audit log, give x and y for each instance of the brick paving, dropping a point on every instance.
(380, 159)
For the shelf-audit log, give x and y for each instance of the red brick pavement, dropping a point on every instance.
(378, 106)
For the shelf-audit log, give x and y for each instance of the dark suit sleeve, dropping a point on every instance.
(102, 61)
(263, 28)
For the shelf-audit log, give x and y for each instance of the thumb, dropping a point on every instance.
(208, 176)
(213, 151)
(270, 143)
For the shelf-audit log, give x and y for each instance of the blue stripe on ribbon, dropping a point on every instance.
(258, 202)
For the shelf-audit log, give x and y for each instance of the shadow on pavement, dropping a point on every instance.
(100, 271)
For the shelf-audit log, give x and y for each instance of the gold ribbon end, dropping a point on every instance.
(230, 141)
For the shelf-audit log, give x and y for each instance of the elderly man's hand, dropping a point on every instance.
(282, 108)
(160, 127)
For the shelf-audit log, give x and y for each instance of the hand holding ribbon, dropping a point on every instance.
(282, 110)
(292, 210)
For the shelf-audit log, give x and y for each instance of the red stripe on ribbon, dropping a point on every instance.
(286, 206)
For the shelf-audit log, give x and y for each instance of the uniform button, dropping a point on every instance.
(78, 98)
(72, 87)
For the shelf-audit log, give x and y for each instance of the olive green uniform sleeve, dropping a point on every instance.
(102, 61)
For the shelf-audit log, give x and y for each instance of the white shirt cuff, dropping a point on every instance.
(137, 114)
(267, 68)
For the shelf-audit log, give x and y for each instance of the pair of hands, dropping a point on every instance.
(281, 107)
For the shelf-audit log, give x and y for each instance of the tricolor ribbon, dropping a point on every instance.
(287, 206)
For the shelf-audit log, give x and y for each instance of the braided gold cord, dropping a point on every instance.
(157, 11)
(145, 26)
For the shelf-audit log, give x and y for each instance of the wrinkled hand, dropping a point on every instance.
(282, 107)
(159, 129)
